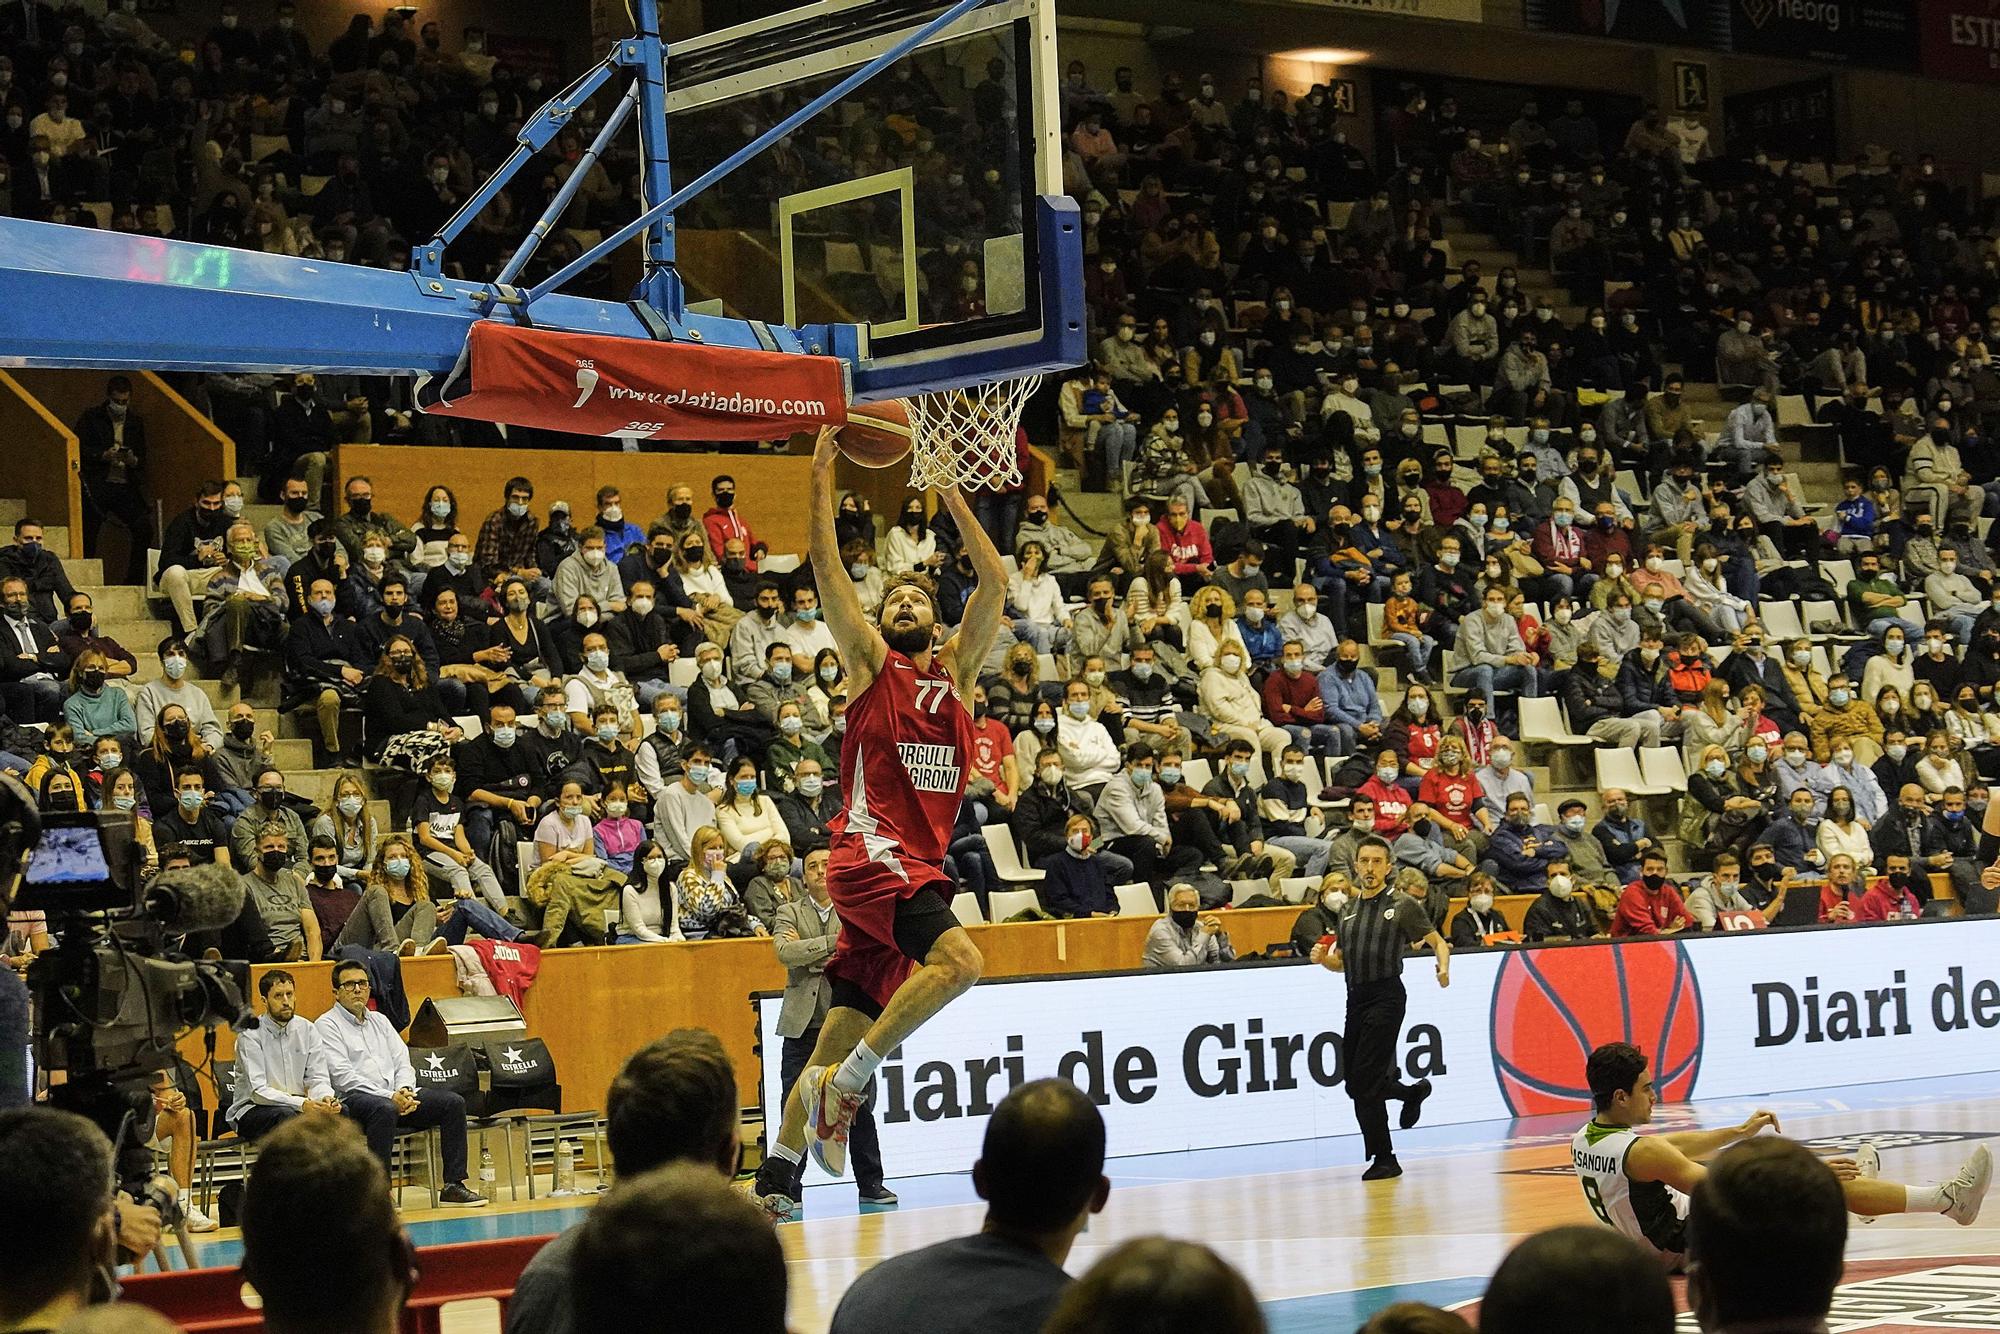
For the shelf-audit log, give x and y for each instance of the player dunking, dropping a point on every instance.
(901, 956)
(1640, 1184)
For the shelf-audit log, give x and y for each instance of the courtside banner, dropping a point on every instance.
(1252, 1055)
(594, 384)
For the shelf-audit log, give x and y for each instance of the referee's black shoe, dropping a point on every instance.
(1413, 1106)
(1383, 1169)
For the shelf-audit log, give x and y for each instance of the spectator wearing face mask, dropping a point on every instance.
(1651, 905)
(1846, 717)
(1075, 882)
(1322, 917)
(588, 571)
(1523, 850)
(1479, 918)
(1559, 913)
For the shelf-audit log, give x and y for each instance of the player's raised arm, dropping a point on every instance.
(988, 603)
(860, 644)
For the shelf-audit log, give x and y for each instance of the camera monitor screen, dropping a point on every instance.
(69, 870)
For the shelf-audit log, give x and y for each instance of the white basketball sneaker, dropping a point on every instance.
(1965, 1192)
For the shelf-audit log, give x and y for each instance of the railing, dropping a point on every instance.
(211, 1301)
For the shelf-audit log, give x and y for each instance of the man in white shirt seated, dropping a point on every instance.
(368, 1066)
(280, 1067)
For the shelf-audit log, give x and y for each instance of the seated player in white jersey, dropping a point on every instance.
(901, 956)
(1640, 1184)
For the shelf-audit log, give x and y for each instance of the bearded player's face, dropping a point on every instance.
(908, 620)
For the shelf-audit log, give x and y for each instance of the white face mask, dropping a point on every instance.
(1482, 903)
(1229, 662)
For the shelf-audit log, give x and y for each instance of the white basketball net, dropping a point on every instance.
(965, 437)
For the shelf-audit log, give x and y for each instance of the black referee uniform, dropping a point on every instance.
(1375, 935)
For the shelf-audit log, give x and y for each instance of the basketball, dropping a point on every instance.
(877, 435)
(1552, 1008)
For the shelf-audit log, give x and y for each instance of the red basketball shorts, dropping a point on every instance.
(867, 894)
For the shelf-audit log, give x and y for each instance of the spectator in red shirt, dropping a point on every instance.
(1291, 701)
(1391, 798)
(723, 522)
(992, 757)
(1650, 905)
(1451, 788)
(1889, 897)
(1841, 896)
(1186, 543)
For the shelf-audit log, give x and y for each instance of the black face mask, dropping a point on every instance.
(1763, 870)
(680, 513)
(1183, 917)
(270, 798)
(1652, 882)
(725, 500)
(326, 874)
(402, 662)
(176, 731)
(360, 508)
(243, 728)
(324, 552)
(660, 557)
(1348, 668)
(1900, 879)
(93, 680)
(295, 504)
(273, 860)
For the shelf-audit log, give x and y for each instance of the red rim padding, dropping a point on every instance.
(594, 384)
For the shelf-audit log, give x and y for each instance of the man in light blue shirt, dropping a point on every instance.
(369, 1068)
(280, 1067)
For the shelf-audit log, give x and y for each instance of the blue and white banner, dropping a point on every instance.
(1252, 1055)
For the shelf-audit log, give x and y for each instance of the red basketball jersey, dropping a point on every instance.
(903, 762)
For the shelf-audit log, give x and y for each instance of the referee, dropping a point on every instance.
(1375, 930)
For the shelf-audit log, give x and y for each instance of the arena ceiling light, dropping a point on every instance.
(1323, 55)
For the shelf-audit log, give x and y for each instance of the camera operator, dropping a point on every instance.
(59, 1234)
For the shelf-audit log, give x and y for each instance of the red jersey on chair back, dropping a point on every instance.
(904, 761)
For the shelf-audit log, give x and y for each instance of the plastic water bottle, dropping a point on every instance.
(486, 1173)
(565, 1168)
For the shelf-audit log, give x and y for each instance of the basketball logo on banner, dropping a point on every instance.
(1552, 1008)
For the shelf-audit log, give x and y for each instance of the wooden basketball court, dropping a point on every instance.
(1323, 1250)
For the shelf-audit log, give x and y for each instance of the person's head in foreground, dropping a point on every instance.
(675, 1241)
(1041, 1165)
(1415, 1318)
(321, 1241)
(674, 1101)
(1767, 1232)
(1621, 1085)
(58, 1231)
(1578, 1280)
(1159, 1286)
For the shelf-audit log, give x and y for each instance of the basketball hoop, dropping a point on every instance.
(964, 437)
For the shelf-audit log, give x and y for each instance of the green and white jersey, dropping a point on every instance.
(1650, 1212)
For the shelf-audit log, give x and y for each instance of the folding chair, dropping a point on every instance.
(1662, 765)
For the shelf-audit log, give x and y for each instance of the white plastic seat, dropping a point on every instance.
(1004, 903)
(1197, 774)
(1662, 764)
(683, 672)
(1239, 890)
(1136, 900)
(1541, 720)
(1006, 857)
(1619, 767)
(1781, 619)
(1295, 888)
(965, 907)
(779, 564)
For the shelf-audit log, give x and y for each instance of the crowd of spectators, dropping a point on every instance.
(1182, 700)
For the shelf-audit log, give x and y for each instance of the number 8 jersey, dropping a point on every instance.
(1649, 1212)
(903, 762)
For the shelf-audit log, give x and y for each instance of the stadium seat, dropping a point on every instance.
(1136, 900)
(1542, 720)
(1618, 766)
(965, 907)
(1006, 903)
(1006, 857)
(1240, 890)
(1197, 774)
(779, 564)
(1297, 888)
(1662, 765)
